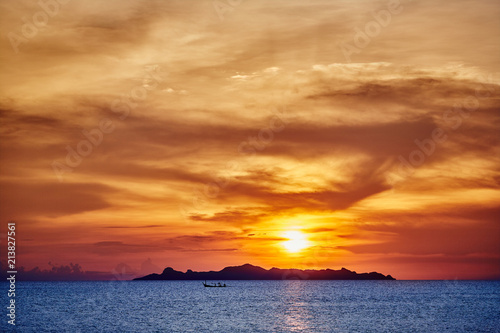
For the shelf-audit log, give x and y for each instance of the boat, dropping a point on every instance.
(206, 285)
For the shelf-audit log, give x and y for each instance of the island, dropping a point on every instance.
(251, 272)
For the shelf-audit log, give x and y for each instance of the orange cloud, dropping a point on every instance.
(253, 125)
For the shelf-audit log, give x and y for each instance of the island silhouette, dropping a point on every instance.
(251, 272)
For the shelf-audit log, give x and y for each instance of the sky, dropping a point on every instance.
(137, 135)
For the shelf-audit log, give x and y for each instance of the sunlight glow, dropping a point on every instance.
(296, 241)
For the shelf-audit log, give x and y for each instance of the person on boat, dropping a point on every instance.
(224, 285)
(219, 284)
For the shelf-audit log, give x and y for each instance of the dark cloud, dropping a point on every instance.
(234, 217)
(71, 272)
(139, 226)
(319, 229)
(346, 126)
(428, 238)
(114, 247)
(24, 199)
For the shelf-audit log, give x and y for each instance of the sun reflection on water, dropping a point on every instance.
(297, 317)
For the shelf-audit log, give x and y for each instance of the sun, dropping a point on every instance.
(296, 241)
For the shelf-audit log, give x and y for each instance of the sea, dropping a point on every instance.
(254, 306)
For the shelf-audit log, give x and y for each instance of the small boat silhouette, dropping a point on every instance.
(218, 285)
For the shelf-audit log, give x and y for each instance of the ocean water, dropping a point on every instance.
(256, 306)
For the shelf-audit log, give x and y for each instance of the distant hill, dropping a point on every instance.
(250, 272)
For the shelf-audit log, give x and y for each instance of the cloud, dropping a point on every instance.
(335, 162)
(25, 199)
(71, 272)
(240, 217)
(114, 247)
(433, 238)
(127, 227)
